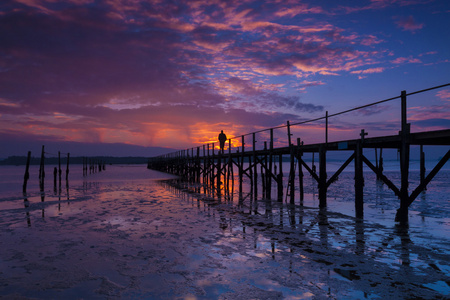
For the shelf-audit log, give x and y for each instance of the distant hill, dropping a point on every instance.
(12, 147)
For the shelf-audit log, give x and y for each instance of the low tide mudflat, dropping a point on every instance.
(132, 233)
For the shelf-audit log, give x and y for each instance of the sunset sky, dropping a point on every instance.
(174, 73)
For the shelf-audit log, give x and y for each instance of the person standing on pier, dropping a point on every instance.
(222, 140)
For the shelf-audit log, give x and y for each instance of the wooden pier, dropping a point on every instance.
(214, 168)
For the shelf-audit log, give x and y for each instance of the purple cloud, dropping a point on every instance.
(408, 24)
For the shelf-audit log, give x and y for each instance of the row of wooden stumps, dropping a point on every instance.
(91, 166)
(56, 171)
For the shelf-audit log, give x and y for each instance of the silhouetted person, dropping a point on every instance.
(222, 139)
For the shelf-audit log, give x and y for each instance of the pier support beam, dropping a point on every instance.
(402, 212)
(255, 167)
(359, 181)
(322, 176)
(270, 174)
(422, 166)
(300, 170)
(280, 178)
(291, 177)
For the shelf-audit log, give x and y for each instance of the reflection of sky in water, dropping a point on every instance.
(120, 233)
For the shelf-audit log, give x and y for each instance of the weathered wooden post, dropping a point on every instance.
(232, 170)
(300, 170)
(264, 171)
(359, 179)
(292, 166)
(322, 176)
(280, 178)
(238, 160)
(255, 171)
(381, 161)
(376, 162)
(422, 166)
(323, 167)
(219, 171)
(67, 170)
(41, 170)
(229, 166)
(269, 176)
(250, 175)
(197, 165)
(55, 174)
(27, 173)
(241, 168)
(59, 168)
(213, 161)
(204, 165)
(326, 127)
(208, 173)
(402, 212)
(313, 166)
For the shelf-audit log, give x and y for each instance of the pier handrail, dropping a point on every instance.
(328, 115)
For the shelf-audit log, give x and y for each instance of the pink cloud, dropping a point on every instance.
(298, 10)
(404, 60)
(369, 71)
(370, 40)
(444, 95)
(408, 24)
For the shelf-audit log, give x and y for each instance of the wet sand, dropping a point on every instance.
(142, 238)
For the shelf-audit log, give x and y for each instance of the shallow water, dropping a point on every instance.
(130, 232)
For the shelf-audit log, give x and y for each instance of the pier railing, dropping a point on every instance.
(210, 166)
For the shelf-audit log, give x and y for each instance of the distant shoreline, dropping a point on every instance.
(22, 160)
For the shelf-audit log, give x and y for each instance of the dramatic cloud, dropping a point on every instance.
(159, 73)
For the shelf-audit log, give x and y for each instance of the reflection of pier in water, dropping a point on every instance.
(216, 169)
(379, 259)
